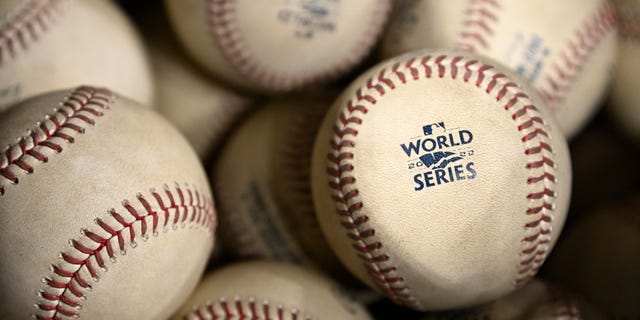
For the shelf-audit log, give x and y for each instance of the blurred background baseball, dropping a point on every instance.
(130, 127)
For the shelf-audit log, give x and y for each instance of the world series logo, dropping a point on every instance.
(440, 156)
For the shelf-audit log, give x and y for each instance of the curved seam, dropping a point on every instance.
(576, 54)
(70, 118)
(67, 285)
(629, 26)
(244, 309)
(223, 26)
(478, 25)
(28, 26)
(530, 124)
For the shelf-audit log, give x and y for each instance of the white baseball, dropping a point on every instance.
(566, 49)
(105, 211)
(278, 45)
(625, 96)
(200, 108)
(440, 179)
(48, 45)
(263, 189)
(269, 290)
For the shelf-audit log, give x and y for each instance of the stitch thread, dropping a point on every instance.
(69, 119)
(27, 26)
(478, 25)
(629, 25)
(68, 282)
(223, 25)
(576, 54)
(244, 309)
(369, 249)
(66, 287)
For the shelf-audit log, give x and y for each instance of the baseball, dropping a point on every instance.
(440, 179)
(48, 45)
(262, 185)
(269, 290)
(598, 258)
(569, 62)
(200, 108)
(538, 300)
(625, 96)
(105, 211)
(277, 45)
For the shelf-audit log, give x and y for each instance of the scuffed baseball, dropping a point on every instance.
(105, 211)
(441, 180)
(269, 290)
(49, 45)
(278, 45)
(625, 96)
(568, 55)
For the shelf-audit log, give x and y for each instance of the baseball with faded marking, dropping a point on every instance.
(278, 45)
(50, 45)
(105, 211)
(263, 188)
(538, 300)
(440, 179)
(625, 96)
(568, 55)
(269, 290)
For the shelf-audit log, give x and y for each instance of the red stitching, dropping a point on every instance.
(629, 24)
(66, 286)
(577, 53)
(244, 310)
(478, 26)
(27, 26)
(71, 118)
(224, 29)
(369, 249)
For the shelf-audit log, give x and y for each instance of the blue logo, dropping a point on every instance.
(310, 18)
(447, 157)
(428, 129)
(441, 155)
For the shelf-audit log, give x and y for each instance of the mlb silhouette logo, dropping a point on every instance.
(428, 129)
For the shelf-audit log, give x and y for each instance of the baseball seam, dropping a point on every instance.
(629, 25)
(244, 309)
(27, 26)
(478, 25)
(578, 49)
(294, 157)
(69, 282)
(385, 275)
(69, 119)
(225, 31)
(293, 161)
